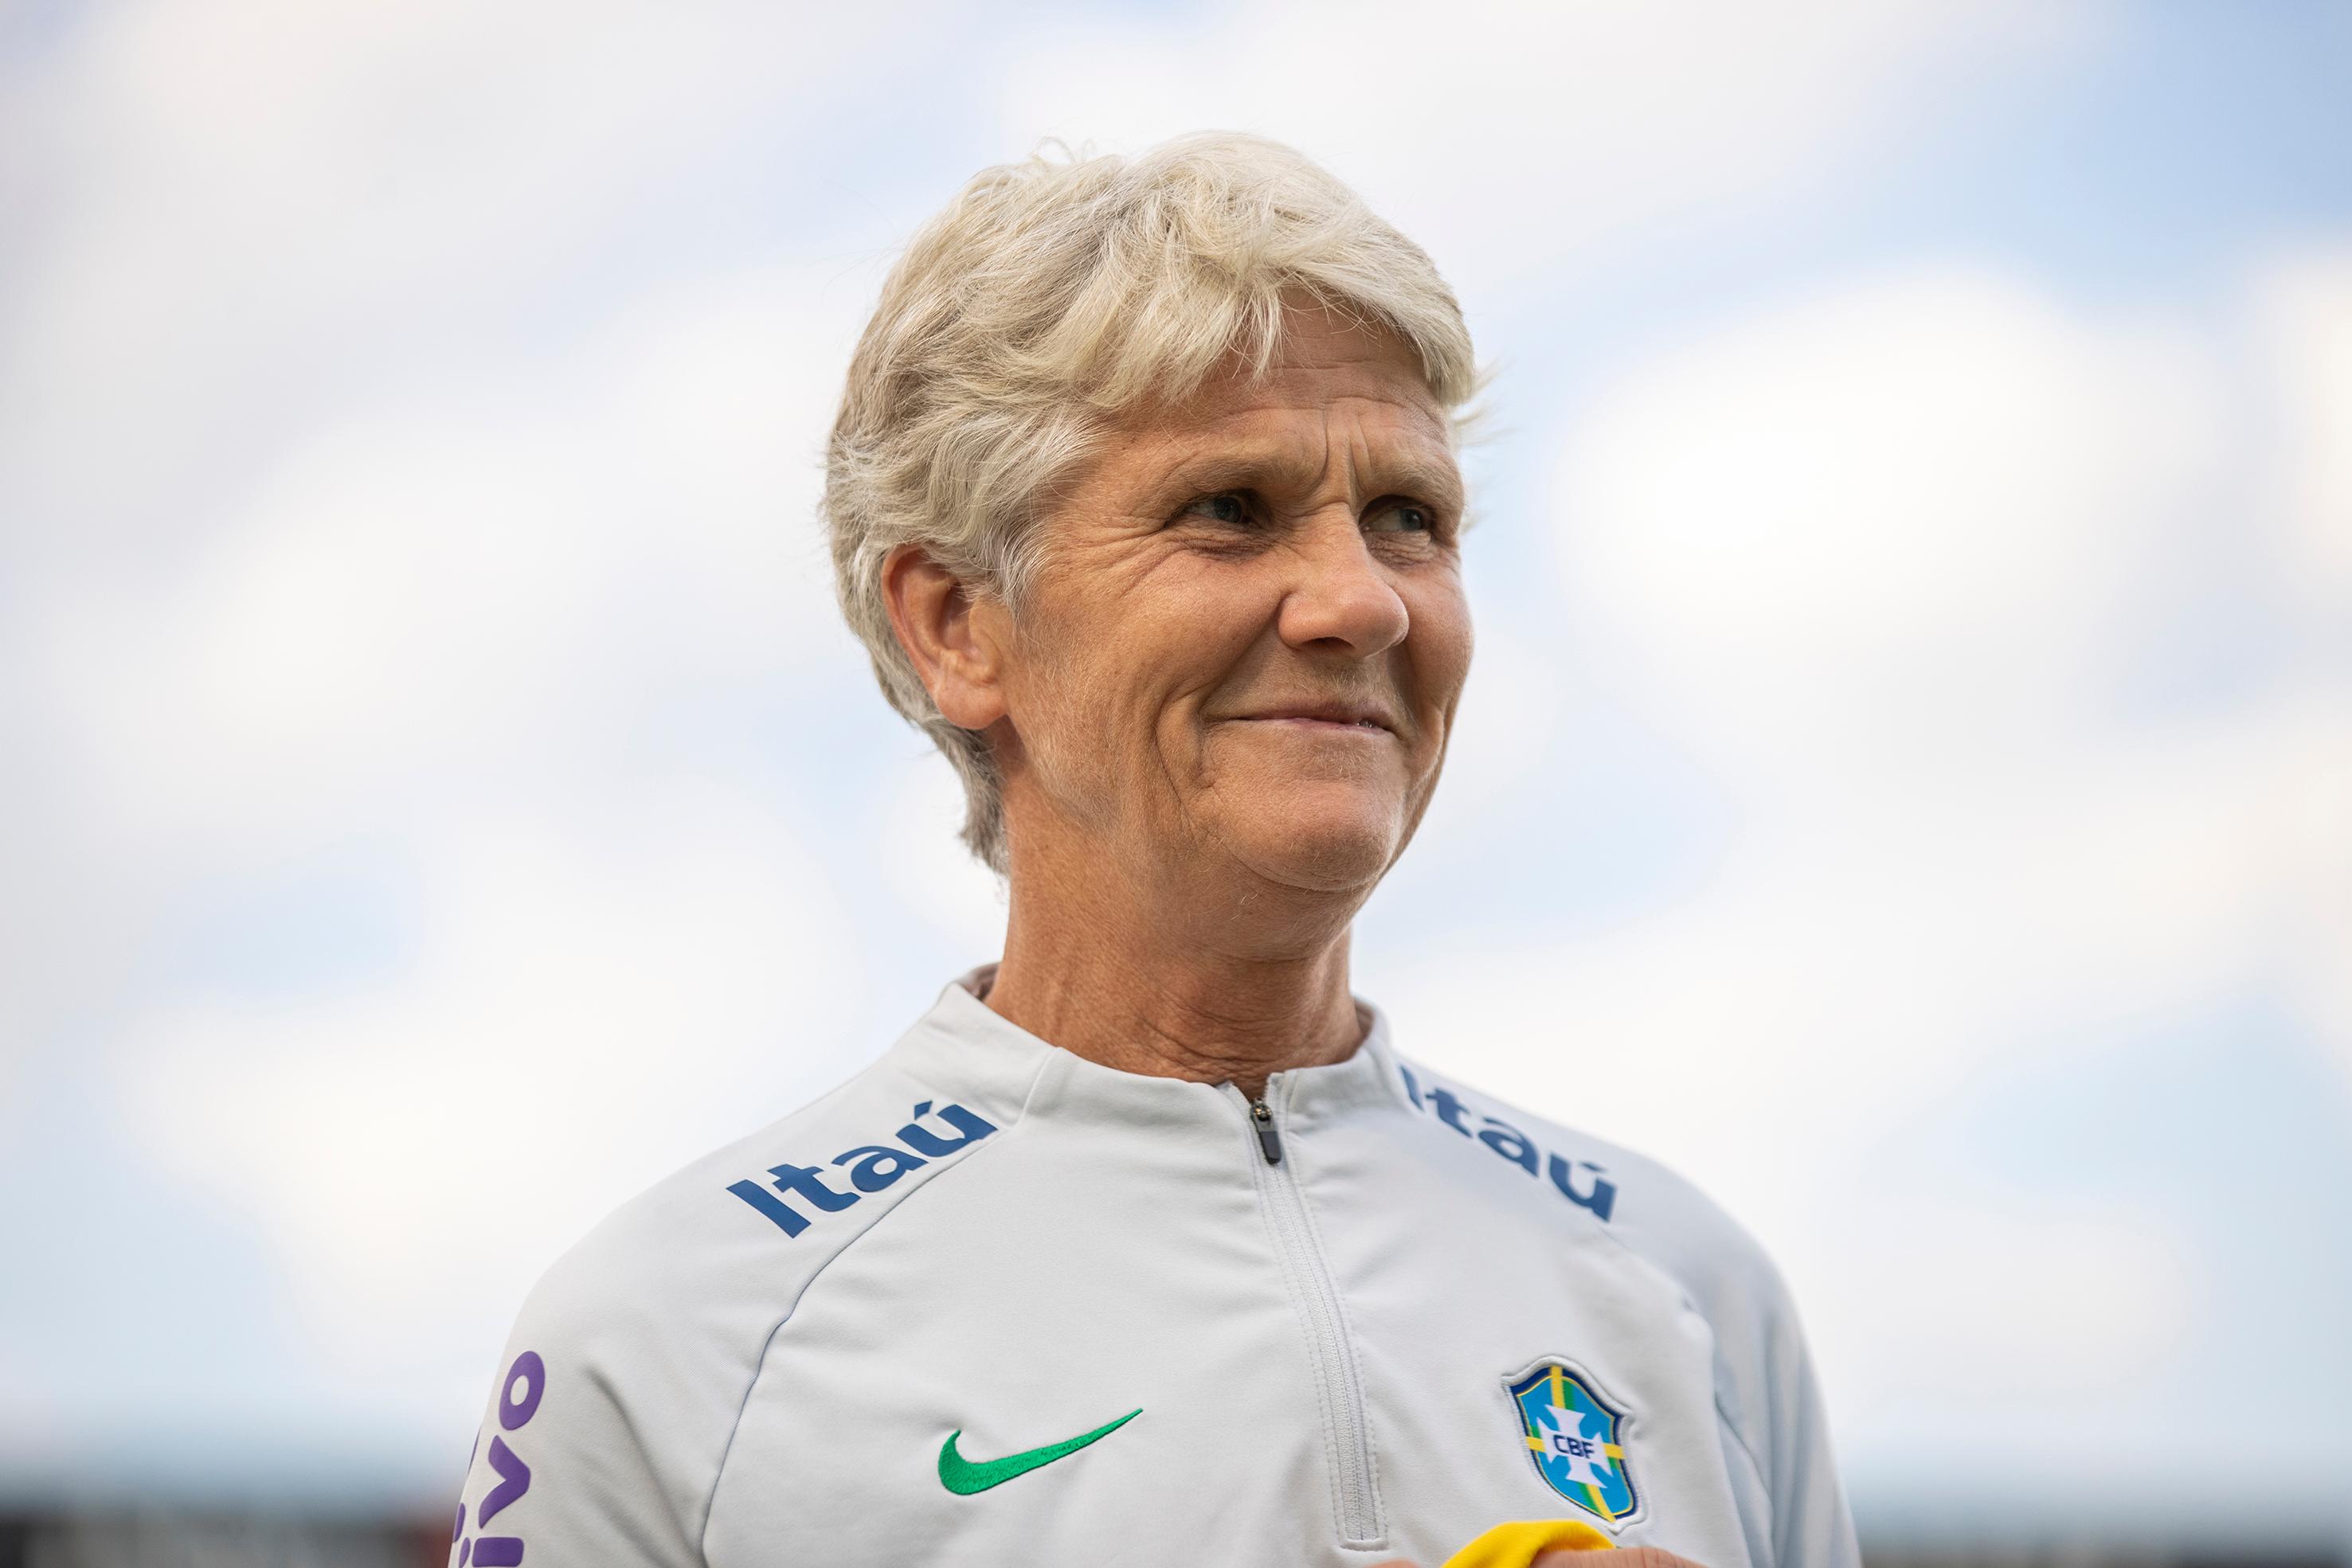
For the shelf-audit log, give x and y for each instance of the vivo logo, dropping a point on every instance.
(519, 1398)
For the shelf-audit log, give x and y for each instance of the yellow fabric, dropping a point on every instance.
(1515, 1545)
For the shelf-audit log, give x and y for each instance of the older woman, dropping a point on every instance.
(1145, 1244)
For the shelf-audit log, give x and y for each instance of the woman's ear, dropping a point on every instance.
(932, 613)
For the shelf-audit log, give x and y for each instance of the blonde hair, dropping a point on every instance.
(1050, 298)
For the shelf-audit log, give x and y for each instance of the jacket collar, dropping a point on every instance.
(962, 1041)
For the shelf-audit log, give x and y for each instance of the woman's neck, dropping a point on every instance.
(1144, 989)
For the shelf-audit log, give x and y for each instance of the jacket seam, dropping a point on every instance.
(1714, 1346)
(1755, 1466)
(759, 1362)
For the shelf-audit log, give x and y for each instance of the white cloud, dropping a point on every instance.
(2303, 317)
(1875, 553)
(1504, 134)
(2304, 320)
(512, 575)
(925, 864)
(1919, 500)
(335, 532)
(447, 627)
(602, 996)
(269, 217)
(2075, 1306)
(1510, 710)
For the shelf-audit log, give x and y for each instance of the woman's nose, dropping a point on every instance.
(1340, 595)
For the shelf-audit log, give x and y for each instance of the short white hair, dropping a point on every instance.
(1052, 297)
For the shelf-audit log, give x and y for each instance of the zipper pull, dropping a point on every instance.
(1267, 1138)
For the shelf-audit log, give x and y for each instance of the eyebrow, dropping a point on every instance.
(1407, 472)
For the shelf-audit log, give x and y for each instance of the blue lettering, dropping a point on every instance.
(880, 1166)
(1510, 1143)
(871, 1168)
(806, 1180)
(769, 1204)
(923, 1141)
(1590, 1190)
(1601, 1199)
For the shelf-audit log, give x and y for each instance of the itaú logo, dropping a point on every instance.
(1580, 1181)
(868, 1167)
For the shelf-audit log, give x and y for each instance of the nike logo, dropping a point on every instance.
(963, 1476)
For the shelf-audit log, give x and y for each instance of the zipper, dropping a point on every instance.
(1269, 1141)
(1347, 1435)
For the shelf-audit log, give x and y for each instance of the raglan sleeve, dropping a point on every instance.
(591, 1451)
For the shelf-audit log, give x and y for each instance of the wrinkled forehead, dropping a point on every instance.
(1336, 399)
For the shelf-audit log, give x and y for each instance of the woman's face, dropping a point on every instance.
(1248, 634)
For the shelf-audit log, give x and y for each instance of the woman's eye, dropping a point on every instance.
(1400, 518)
(1225, 507)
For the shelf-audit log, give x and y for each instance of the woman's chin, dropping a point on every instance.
(1341, 848)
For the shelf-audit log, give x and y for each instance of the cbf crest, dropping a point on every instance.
(1576, 1439)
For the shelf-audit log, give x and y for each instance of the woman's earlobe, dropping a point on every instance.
(932, 613)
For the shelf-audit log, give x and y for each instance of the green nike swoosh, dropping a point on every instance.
(964, 1477)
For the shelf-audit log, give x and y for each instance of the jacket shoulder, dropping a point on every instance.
(760, 1217)
(1766, 1391)
(636, 1349)
(1645, 1204)
(1647, 1207)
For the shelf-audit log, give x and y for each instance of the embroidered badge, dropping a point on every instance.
(1576, 1439)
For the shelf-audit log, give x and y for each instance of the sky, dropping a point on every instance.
(1905, 783)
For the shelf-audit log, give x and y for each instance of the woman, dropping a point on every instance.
(1145, 1244)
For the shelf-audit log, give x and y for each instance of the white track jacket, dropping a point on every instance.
(990, 1304)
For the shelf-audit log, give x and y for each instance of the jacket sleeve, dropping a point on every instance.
(1768, 1398)
(1812, 1526)
(583, 1454)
